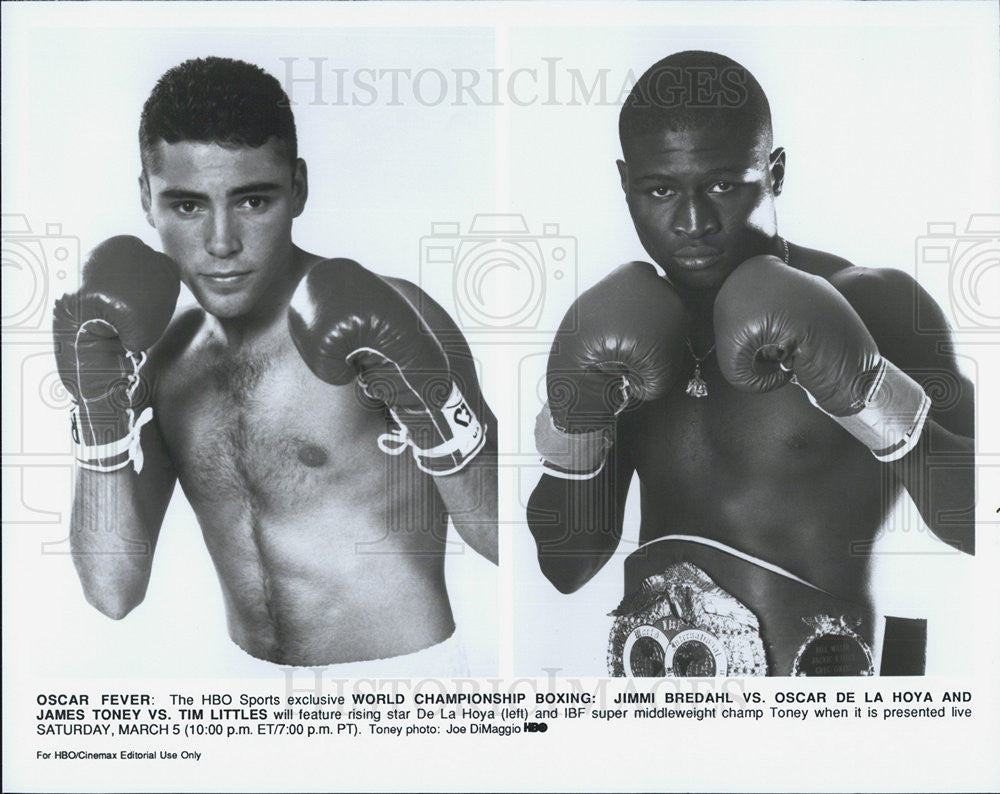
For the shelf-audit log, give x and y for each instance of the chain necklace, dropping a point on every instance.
(697, 387)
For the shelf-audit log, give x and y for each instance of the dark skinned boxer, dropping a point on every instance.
(769, 396)
(319, 426)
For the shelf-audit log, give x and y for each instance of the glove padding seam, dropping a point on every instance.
(386, 359)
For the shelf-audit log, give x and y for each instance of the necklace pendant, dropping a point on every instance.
(696, 386)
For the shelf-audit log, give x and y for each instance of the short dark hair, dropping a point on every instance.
(216, 100)
(694, 89)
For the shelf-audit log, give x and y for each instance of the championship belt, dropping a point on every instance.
(682, 624)
(760, 619)
(833, 648)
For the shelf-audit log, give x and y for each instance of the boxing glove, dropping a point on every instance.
(126, 298)
(621, 343)
(349, 323)
(774, 324)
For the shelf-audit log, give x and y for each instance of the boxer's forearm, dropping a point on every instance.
(113, 532)
(939, 475)
(576, 525)
(471, 498)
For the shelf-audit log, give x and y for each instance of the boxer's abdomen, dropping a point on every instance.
(768, 474)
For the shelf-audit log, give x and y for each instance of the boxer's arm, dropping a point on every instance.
(470, 494)
(911, 331)
(101, 334)
(577, 524)
(619, 344)
(114, 526)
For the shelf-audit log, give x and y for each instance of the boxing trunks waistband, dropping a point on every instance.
(445, 659)
(697, 607)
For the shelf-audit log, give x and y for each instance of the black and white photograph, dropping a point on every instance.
(761, 506)
(317, 411)
(404, 395)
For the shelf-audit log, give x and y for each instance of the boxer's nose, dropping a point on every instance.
(695, 216)
(223, 240)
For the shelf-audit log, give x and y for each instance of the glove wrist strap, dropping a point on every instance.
(570, 456)
(891, 417)
(117, 454)
(462, 437)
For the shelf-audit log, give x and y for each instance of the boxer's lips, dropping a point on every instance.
(696, 257)
(226, 278)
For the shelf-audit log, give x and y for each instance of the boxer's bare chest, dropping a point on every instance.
(766, 473)
(255, 429)
(292, 493)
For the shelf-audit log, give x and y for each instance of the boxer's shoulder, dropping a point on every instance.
(871, 285)
(883, 297)
(853, 281)
(816, 262)
(309, 261)
(905, 321)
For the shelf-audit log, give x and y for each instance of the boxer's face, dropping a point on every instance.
(224, 214)
(702, 201)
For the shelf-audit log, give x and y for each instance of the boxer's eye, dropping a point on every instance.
(186, 207)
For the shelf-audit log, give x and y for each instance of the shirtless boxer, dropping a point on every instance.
(768, 396)
(322, 430)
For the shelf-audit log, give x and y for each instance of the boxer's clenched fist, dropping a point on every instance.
(621, 343)
(773, 323)
(348, 323)
(126, 298)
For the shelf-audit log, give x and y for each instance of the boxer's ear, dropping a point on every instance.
(146, 198)
(777, 169)
(623, 174)
(300, 187)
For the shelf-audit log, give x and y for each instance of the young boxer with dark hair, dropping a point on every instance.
(322, 429)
